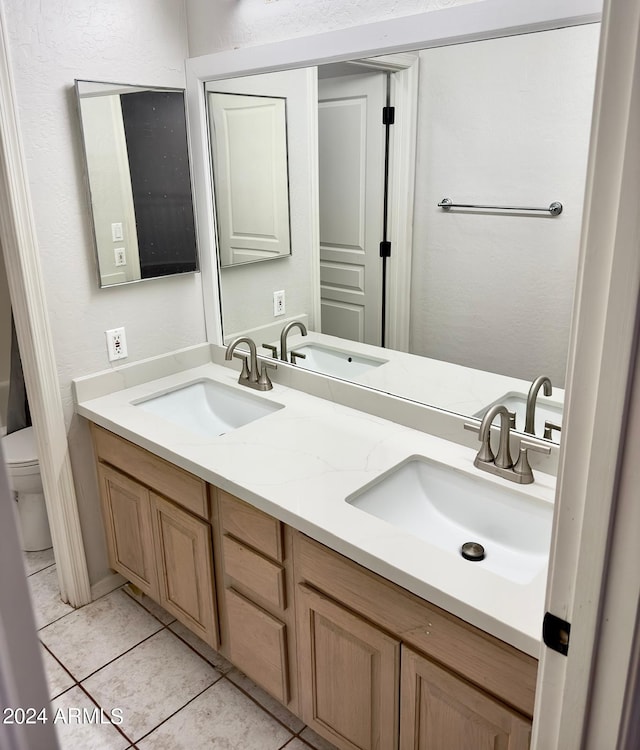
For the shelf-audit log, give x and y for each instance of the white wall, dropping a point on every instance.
(506, 122)
(215, 26)
(52, 43)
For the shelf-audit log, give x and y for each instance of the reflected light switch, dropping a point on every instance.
(116, 232)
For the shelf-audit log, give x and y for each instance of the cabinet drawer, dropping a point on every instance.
(257, 529)
(254, 572)
(258, 645)
(156, 473)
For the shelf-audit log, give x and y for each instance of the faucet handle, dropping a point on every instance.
(522, 466)
(244, 375)
(264, 381)
(273, 349)
(297, 355)
(549, 427)
(537, 447)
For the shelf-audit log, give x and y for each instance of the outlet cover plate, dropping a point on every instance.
(278, 303)
(116, 344)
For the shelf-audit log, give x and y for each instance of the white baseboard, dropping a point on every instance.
(106, 585)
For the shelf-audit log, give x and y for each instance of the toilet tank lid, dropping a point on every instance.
(20, 447)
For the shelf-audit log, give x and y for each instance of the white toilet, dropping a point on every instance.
(21, 458)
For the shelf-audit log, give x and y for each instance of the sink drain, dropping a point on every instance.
(473, 551)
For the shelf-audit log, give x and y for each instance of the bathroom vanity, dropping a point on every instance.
(375, 637)
(358, 658)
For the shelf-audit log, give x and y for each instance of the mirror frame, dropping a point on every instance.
(455, 25)
(87, 178)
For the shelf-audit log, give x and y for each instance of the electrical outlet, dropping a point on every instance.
(278, 303)
(120, 256)
(116, 344)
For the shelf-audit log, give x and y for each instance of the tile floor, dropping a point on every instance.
(173, 691)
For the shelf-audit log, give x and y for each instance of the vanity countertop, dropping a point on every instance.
(299, 464)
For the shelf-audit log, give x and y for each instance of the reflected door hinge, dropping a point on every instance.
(385, 249)
(555, 633)
(388, 115)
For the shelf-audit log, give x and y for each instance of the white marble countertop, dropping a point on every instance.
(301, 462)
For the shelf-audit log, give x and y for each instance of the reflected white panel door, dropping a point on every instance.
(351, 146)
(249, 144)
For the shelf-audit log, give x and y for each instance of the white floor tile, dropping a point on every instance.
(204, 649)
(266, 701)
(45, 596)
(58, 679)
(156, 610)
(35, 561)
(222, 718)
(84, 732)
(296, 744)
(151, 682)
(92, 636)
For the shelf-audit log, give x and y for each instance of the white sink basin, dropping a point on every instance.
(335, 362)
(546, 410)
(447, 508)
(207, 407)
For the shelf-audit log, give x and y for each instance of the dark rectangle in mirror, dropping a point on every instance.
(156, 136)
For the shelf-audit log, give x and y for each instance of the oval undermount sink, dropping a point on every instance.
(208, 407)
(335, 362)
(448, 508)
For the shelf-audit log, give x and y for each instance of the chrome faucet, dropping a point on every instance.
(252, 375)
(529, 422)
(502, 464)
(285, 333)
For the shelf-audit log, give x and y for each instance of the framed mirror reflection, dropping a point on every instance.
(248, 136)
(139, 180)
(478, 302)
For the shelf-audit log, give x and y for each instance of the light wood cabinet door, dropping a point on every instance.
(349, 675)
(440, 711)
(185, 568)
(126, 508)
(258, 645)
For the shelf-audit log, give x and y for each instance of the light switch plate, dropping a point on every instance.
(116, 231)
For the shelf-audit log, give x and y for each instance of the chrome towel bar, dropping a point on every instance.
(554, 208)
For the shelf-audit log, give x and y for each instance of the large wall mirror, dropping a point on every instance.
(139, 178)
(477, 299)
